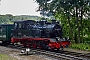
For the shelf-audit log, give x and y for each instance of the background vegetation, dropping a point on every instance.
(9, 18)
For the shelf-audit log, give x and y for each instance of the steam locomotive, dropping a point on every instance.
(38, 34)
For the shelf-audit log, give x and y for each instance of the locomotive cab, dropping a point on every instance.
(22, 28)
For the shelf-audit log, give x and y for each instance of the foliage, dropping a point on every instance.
(8, 18)
(81, 46)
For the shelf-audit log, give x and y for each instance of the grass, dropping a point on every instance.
(6, 57)
(81, 46)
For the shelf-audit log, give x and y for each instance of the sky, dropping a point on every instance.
(18, 7)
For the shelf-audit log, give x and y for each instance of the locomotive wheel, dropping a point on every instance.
(5, 43)
(44, 45)
(57, 49)
(47, 47)
(62, 48)
(24, 45)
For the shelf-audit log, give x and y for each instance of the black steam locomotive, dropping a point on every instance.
(39, 34)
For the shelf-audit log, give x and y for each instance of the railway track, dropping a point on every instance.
(65, 55)
(58, 56)
(85, 56)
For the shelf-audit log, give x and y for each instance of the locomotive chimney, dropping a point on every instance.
(53, 21)
(43, 22)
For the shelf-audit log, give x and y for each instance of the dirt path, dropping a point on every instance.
(16, 55)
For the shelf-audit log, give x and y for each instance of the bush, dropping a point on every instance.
(81, 46)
